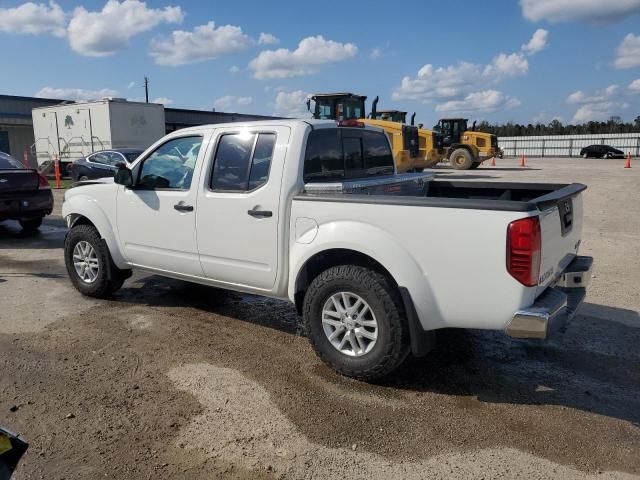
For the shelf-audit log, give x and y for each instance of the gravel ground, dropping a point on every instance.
(175, 380)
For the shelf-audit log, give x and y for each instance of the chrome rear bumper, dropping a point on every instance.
(556, 306)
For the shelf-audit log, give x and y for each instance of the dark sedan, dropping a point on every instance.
(25, 195)
(601, 151)
(101, 164)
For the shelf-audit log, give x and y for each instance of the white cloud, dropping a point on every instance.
(507, 65)
(131, 85)
(77, 94)
(34, 19)
(579, 97)
(312, 52)
(598, 111)
(375, 53)
(628, 52)
(268, 39)
(537, 43)
(480, 102)
(232, 103)
(234, 69)
(162, 100)
(635, 86)
(108, 31)
(205, 42)
(291, 104)
(579, 10)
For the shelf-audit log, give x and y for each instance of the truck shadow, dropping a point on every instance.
(593, 366)
(49, 236)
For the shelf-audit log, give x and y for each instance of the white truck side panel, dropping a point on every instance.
(418, 247)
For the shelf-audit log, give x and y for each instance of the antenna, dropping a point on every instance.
(146, 88)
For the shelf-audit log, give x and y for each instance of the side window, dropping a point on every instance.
(323, 158)
(171, 164)
(261, 160)
(242, 161)
(114, 158)
(378, 158)
(100, 158)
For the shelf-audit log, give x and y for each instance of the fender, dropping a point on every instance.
(79, 205)
(383, 248)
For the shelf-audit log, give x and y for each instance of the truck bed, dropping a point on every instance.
(503, 196)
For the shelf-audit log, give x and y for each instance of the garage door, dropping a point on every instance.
(4, 142)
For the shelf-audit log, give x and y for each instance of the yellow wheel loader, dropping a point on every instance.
(465, 148)
(412, 151)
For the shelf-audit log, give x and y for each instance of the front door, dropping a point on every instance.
(239, 212)
(157, 217)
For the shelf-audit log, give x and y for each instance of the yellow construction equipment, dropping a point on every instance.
(414, 148)
(411, 151)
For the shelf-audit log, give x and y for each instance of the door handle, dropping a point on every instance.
(260, 213)
(183, 207)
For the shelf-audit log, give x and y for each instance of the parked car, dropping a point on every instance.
(101, 164)
(25, 194)
(601, 151)
(264, 208)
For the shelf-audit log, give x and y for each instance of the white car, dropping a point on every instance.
(284, 209)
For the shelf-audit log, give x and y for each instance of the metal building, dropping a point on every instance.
(16, 125)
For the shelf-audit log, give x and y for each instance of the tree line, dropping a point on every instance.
(556, 127)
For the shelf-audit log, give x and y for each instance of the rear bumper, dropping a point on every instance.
(26, 205)
(556, 306)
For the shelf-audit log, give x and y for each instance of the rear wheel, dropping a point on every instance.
(31, 224)
(461, 159)
(83, 178)
(585, 155)
(88, 263)
(354, 320)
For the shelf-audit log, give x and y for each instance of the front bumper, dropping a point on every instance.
(556, 306)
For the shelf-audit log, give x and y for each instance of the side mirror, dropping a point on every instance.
(123, 177)
(120, 165)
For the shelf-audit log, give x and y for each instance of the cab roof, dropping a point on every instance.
(339, 94)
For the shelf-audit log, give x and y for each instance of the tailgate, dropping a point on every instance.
(561, 228)
(15, 180)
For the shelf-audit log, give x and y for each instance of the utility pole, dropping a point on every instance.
(146, 88)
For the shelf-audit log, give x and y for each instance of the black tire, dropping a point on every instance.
(461, 159)
(475, 165)
(31, 224)
(392, 343)
(83, 178)
(102, 286)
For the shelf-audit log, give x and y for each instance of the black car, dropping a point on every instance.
(100, 164)
(601, 151)
(25, 194)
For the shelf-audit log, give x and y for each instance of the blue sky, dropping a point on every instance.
(526, 61)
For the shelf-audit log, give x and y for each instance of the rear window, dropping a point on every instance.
(8, 162)
(334, 154)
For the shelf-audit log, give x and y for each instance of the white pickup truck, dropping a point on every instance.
(282, 209)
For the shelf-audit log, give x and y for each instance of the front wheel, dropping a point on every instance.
(355, 322)
(461, 159)
(585, 155)
(87, 260)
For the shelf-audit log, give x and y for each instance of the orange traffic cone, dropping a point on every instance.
(628, 162)
(523, 162)
(493, 162)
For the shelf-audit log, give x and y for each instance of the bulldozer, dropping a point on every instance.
(412, 152)
(465, 149)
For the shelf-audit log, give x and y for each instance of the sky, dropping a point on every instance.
(524, 61)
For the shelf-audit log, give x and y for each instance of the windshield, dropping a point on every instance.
(339, 109)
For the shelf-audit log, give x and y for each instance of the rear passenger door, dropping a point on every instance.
(238, 211)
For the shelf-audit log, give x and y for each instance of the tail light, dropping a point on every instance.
(350, 123)
(523, 250)
(43, 182)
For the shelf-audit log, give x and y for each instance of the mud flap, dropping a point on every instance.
(422, 342)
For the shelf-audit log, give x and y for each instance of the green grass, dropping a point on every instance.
(64, 183)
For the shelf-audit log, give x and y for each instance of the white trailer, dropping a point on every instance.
(74, 130)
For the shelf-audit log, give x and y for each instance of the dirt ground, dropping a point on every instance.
(175, 380)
